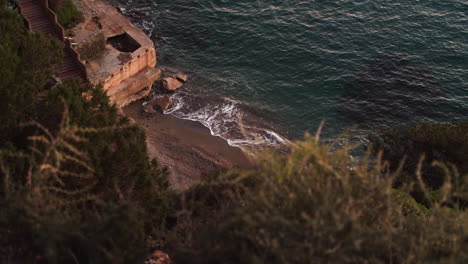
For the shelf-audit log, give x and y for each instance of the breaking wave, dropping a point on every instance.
(225, 118)
(350, 63)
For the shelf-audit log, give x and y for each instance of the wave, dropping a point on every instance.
(225, 118)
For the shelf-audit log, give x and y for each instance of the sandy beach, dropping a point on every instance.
(186, 147)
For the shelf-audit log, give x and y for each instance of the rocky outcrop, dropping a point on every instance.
(134, 88)
(126, 69)
(171, 84)
(160, 103)
(158, 257)
(163, 102)
(149, 109)
(180, 77)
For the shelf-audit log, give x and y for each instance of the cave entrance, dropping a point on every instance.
(124, 43)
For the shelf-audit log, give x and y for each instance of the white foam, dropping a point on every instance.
(225, 120)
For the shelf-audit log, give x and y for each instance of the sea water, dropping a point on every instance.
(262, 72)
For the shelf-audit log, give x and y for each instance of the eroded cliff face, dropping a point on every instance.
(124, 61)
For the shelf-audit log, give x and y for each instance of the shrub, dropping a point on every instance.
(27, 61)
(51, 212)
(93, 47)
(67, 14)
(446, 142)
(424, 146)
(76, 183)
(311, 206)
(82, 171)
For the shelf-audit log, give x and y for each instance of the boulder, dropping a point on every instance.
(171, 84)
(149, 109)
(180, 77)
(158, 257)
(163, 102)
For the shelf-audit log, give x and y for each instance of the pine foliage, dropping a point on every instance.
(76, 183)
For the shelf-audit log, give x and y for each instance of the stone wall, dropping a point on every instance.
(129, 69)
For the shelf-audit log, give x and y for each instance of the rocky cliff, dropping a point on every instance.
(119, 56)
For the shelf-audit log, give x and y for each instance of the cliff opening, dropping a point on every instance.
(124, 43)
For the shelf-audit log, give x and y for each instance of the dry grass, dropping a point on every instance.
(310, 206)
(93, 47)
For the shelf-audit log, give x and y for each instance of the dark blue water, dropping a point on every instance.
(261, 69)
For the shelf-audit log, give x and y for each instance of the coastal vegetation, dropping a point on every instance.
(67, 14)
(443, 142)
(314, 205)
(77, 186)
(76, 183)
(434, 149)
(93, 47)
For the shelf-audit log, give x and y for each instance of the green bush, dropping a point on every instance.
(446, 142)
(62, 210)
(25, 68)
(432, 148)
(311, 206)
(68, 14)
(76, 183)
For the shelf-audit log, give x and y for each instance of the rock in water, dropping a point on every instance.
(180, 77)
(163, 103)
(171, 84)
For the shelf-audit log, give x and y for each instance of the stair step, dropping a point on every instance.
(63, 69)
(31, 9)
(36, 15)
(38, 20)
(42, 28)
(39, 27)
(68, 74)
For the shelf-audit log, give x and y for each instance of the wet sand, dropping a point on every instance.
(186, 147)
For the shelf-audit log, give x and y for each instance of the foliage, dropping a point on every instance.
(67, 14)
(309, 206)
(446, 142)
(76, 186)
(76, 183)
(93, 47)
(426, 145)
(25, 67)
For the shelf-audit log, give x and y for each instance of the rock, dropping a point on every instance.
(149, 109)
(162, 102)
(171, 69)
(120, 112)
(180, 77)
(121, 115)
(171, 84)
(158, 257)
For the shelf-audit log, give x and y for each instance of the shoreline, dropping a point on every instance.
(126, 67)
(186, 147)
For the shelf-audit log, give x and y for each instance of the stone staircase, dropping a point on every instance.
(39, 21)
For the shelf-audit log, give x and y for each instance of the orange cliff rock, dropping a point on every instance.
(126, 67)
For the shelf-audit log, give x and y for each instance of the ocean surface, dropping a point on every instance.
(262, 72)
